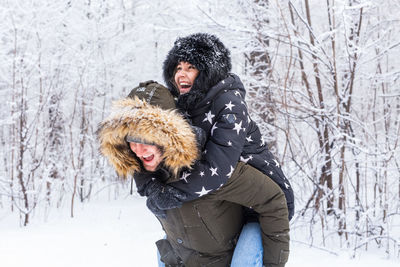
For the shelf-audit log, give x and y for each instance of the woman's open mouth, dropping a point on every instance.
(184, 87)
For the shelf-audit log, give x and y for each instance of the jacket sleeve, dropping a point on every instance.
(251, 188)
(228, 118)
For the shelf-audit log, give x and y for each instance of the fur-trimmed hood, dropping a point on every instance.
(152, 125)
(208, 54)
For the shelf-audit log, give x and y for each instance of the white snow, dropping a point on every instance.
(121, 233)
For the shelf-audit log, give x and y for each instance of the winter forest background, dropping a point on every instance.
(323, 82)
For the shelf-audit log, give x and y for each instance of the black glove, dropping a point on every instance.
(161, 197)
(144, 178)
(153, 208)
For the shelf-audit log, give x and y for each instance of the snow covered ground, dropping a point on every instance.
(121, 233)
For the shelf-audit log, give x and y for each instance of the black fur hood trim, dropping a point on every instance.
(208, 54)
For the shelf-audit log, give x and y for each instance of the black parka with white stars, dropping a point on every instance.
(231, 137)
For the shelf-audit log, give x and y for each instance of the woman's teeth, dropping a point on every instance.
(185, 85)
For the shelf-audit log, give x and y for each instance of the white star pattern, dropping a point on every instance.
(184, 176)
(209, 117)
(213, 128)
(276, 163)
(214, 171)
(238, 127)
(245, 160)
(229, 105)
(262, 141)
(238, 124)
(230, 173)
(223, 82)
(203, 192)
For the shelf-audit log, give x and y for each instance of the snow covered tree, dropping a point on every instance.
(322, 80)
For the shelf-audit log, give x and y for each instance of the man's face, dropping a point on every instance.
(149, 155)
(185, 74)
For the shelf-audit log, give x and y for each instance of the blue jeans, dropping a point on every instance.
(248, 251)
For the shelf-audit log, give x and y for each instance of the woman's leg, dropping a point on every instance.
(249, 249)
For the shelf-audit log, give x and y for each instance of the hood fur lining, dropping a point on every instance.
(165, 128)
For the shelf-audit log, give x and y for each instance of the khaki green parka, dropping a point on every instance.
(202, 232)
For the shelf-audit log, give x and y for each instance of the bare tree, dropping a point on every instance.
(322, 80)
(330, 71)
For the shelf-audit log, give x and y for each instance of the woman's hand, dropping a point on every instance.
(161, 197)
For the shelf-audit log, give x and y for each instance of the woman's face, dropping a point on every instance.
(150, 155)
(185, 75)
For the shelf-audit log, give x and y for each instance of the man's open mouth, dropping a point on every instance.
(148, 158)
